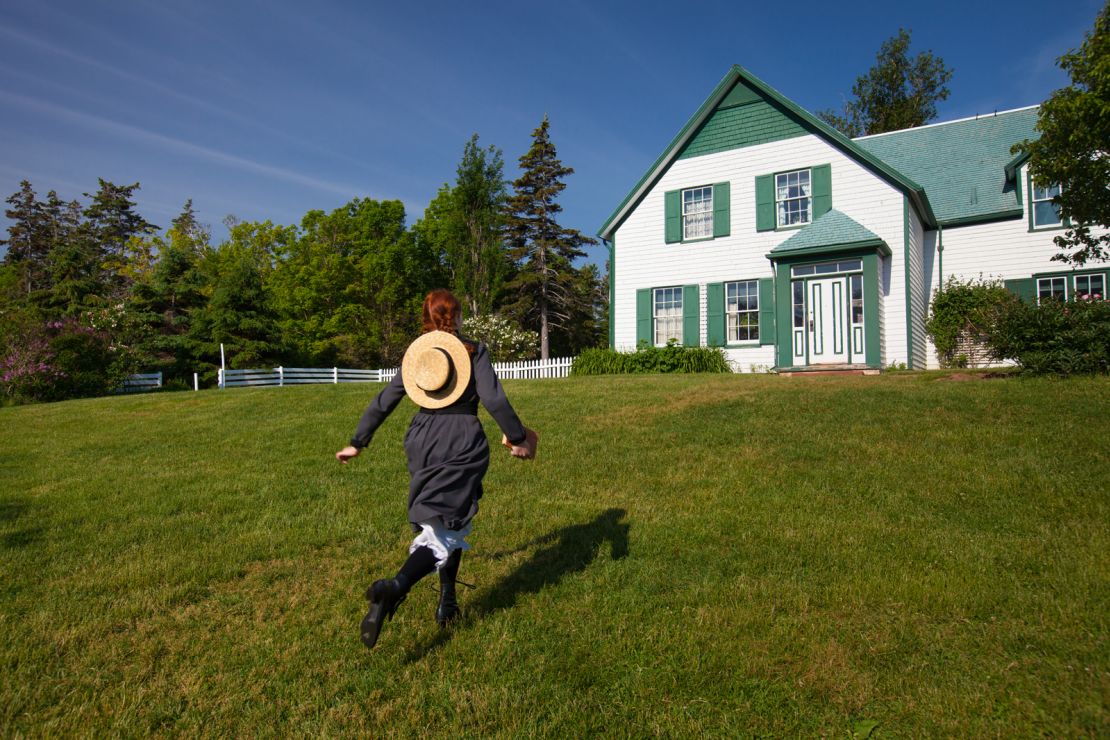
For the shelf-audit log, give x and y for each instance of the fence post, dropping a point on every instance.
(335, 375)
(220, 378)
(196, 382)
(281, 375)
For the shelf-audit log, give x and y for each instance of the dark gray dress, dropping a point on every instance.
(446, 448)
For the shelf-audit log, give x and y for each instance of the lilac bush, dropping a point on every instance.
(58, 360)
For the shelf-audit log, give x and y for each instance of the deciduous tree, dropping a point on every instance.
(1074, 147)
(898, 92)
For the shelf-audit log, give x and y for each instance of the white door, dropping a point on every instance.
(828, 321)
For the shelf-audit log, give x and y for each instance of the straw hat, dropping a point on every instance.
(436, 370)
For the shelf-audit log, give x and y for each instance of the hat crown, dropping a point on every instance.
(436, 370)
(432, 369)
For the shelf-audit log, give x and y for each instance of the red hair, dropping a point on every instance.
(441, 313)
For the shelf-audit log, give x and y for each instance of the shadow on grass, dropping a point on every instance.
(10, 511)
(563, 552)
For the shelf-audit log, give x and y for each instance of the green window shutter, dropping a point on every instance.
(821, 178)
(643, 316)
(721, 209)
(1023, 288)
(765, 203)
(766, 311)
(715, 314)
(672, 203)
(691, 334)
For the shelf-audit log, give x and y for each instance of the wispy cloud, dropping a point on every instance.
(179, 145)
(248, 123)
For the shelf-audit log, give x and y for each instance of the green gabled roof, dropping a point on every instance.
(966, 166)
(722, 96)
(832, 230)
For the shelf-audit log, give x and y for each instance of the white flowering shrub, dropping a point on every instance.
(507, 342)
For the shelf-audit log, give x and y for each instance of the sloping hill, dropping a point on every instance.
(689, 555)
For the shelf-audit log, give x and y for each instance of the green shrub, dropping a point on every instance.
(59, 360)
(673, 358)
(1055, 337)
(963, 308)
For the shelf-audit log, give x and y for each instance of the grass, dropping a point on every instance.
(698, 555)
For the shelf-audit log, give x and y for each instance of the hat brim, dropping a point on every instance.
(458, 380)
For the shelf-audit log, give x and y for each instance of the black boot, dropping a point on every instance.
(448, 609)
(385, 596)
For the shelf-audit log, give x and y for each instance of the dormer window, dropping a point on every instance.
(1046, 212)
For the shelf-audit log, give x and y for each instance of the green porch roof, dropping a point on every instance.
(831, 231)
(965, 166)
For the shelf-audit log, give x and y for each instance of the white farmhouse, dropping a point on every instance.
(763, 230)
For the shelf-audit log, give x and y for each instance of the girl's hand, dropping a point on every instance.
(347, 453)
(526, 451)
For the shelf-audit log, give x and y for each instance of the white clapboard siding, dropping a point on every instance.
(141, 382)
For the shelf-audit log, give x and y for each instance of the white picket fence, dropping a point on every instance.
(281, 376)
(554, 367)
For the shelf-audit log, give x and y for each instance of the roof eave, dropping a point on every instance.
(664, 159)
(912, 189)
(876, 243)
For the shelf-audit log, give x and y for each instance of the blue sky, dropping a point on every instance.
(266, 109)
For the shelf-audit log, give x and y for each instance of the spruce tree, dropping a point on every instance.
(544, 251)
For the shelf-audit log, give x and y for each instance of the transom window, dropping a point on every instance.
(697, 213)
(1090, 287)
(792, 198)
(827, 268)
(742, 311)
(1045, 211)
(1053, 288)
(667, 315)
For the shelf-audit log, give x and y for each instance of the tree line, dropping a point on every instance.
(91, 292)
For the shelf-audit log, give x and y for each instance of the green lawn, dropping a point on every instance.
(721, 555)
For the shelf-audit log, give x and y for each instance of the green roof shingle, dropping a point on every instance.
(832, 229)
(961, 165)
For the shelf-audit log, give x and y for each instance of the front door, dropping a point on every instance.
(827, 329)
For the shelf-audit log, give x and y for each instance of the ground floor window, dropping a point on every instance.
(742, 311)
(1052, 288)
(1090, 287)
(667, 315)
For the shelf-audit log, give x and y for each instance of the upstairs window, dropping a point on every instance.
(697, 213)
(1045, 211)
(792, 198)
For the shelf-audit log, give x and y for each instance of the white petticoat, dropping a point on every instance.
(439, 539)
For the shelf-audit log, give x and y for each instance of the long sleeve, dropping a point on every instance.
(380, 408)
(493, 397)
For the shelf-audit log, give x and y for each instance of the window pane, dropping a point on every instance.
(857, 299)
(1046, 213)
(850, 265)
(799, 303)
(825, 269)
